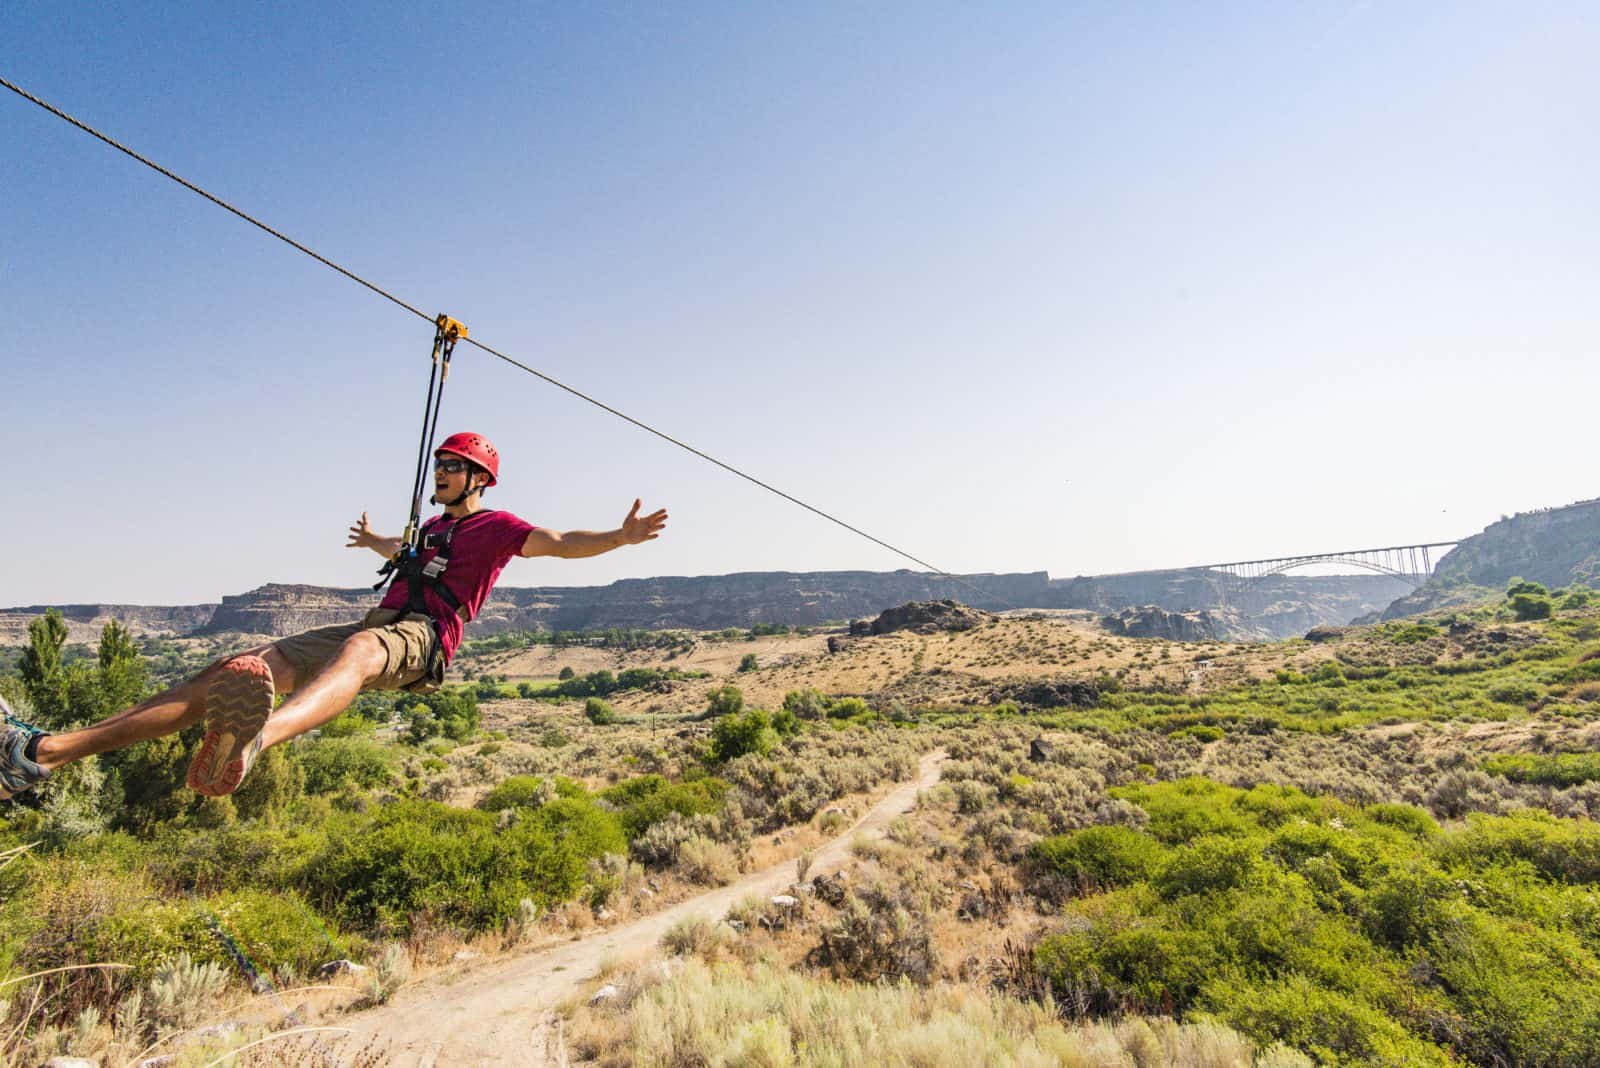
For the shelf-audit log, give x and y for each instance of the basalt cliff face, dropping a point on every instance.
(1555, 547)
(1278, 607)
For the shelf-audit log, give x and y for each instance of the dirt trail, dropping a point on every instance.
(499, 1014)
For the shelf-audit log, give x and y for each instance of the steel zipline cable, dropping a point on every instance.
(386, 295)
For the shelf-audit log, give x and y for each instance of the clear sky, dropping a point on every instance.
(1077, 287)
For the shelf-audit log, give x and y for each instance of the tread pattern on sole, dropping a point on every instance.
(238, 702)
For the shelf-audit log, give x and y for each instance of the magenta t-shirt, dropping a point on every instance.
(479, 551)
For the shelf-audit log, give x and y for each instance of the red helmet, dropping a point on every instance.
(475, 447)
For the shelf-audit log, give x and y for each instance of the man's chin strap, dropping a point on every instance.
(469, 491)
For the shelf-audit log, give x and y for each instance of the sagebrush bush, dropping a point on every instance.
(878, 938)
(709, 863)
(764, 1016)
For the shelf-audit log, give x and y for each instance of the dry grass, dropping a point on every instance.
(762, 1015)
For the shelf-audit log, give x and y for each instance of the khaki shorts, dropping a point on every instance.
(413, 662)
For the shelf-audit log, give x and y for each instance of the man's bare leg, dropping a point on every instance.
(166, 713)
(329, 692)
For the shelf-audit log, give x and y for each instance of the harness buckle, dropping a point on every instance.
(434, 568)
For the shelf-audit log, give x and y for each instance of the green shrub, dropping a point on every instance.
(1556, 769)
(749, 662)
(380, 869)
(1512, 693)
(1094, 858)
(267, 930)
(806, 704)
(228, 858)
(848, 708)
(644, 801)
(1413, 821)
(1200, 732)
(724, 701)
(1567, 850)
(1412, 633)
(330, 764)
(1328, 1024)
(519, 791)
(735, 735)
(598, 712)
(1529, 606)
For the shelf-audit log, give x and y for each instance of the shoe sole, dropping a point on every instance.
(238, 702)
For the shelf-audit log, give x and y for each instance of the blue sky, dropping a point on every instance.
(1082, 288)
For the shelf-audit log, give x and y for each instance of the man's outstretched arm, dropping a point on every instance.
(362, 537)
(576, 544)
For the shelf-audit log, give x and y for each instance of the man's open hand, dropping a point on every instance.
(361, 535)
(635, 529)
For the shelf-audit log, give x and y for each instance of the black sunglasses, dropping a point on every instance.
(450, 467)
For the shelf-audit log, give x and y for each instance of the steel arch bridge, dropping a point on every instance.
(1412, 564)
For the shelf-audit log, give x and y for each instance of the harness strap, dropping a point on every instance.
(421, 577)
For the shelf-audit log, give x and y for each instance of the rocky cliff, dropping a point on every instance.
(1556, 547)
(1279, 607)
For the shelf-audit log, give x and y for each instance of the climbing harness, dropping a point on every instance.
(437, 534)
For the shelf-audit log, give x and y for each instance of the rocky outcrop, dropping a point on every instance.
(924, 617)
(1149, 621)
(282, 609)
(1555, 547)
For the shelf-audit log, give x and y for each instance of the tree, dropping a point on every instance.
(40, 668)
(598, 712)
(123, 679)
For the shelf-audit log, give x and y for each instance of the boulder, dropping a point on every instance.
(609, 992)
(831, 890)
(927, 617)
(1041, 751)
(335, 968)
(1325, 633)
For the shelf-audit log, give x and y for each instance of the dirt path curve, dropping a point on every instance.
(498, 1014)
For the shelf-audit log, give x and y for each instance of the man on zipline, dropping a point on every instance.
(404, 643)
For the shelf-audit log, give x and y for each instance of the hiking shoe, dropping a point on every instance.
(238, 702)
(17, 772)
